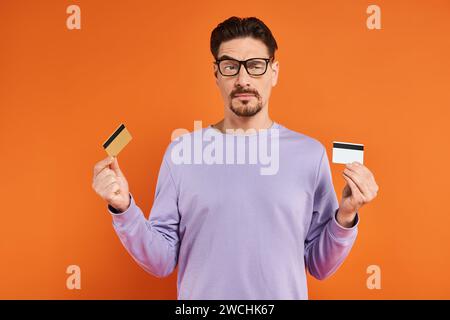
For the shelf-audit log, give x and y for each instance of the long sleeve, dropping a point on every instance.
(327, 243)
(153, 243)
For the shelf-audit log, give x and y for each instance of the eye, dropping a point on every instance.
(255, 65)
(230, 67)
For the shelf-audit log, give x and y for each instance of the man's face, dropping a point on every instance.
(245, 94)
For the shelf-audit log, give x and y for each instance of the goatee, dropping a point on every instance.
(246, 111)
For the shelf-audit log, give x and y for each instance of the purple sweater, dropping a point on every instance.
(234, 232)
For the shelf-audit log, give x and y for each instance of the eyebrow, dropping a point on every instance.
(226, 57)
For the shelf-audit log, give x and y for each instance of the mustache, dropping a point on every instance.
(241, 91)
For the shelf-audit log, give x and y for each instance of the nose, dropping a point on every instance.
(242, 78)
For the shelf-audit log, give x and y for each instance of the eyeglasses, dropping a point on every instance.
(254, 67)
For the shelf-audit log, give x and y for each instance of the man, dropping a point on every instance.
(233, 232)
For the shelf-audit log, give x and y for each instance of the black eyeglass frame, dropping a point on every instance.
(244, 63)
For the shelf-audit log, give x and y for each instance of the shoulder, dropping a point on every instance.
(301, 142)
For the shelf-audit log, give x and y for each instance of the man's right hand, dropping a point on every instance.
(110, 184)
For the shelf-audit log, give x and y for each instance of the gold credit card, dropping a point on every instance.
(117, 141)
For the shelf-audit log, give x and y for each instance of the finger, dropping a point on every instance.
(356, 180)
(360, 168)
(115, 167)
(102, 165)
(355, 190)
(354, 166)
(371, 187)
(104, 173)
(107, 181)
(113, 187)
(100, 178)
(112, 191)
(368, 188)
(99, 166)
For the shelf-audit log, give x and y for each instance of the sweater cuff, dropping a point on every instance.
(342, 233)
(120, 219)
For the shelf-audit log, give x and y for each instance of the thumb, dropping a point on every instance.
(115, 167)
(352, 185)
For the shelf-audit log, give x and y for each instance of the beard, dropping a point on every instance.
(246, 108)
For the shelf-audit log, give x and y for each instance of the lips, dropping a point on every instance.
(244, 95)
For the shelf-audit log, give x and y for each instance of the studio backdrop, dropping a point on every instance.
(370, 72)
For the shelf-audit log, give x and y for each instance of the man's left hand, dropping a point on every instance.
(360, 189)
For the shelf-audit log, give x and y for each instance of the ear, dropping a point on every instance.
(275, 68)
(215, 71)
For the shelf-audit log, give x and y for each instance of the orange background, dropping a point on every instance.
(62, 92)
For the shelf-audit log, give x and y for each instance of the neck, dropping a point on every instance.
(232, 121)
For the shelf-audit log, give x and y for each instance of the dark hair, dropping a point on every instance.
(236, 27)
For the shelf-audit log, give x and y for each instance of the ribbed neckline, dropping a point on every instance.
(275, 125)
